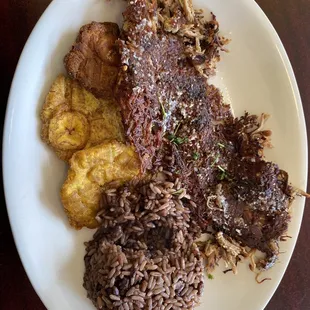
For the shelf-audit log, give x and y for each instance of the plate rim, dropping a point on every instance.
(9, 114)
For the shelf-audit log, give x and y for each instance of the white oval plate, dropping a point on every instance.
(255, 76)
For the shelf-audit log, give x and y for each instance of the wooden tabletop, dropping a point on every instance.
(291, 18)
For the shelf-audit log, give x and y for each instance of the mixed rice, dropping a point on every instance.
(144, 255)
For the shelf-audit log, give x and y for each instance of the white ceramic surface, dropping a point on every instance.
(256, 76)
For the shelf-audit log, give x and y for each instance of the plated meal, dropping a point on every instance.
(159, 165)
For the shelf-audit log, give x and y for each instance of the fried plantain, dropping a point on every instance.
(106, 122)
(73, 118)
(94, 59)
(91, 171)
(68, 131)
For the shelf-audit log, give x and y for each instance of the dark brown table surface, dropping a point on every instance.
(291, 18)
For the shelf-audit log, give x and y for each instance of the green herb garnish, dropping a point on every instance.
(221, 145)
(171, 137)
(196, 155)
(223, 174)
(215, 160)
(177, 140)
(180, 140)
(177, 128)
(210, 276)
(163, 110)
(221, 168)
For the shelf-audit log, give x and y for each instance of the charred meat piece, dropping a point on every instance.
(94, 59)
(253, 207)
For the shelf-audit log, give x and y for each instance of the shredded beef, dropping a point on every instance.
(178, 121)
